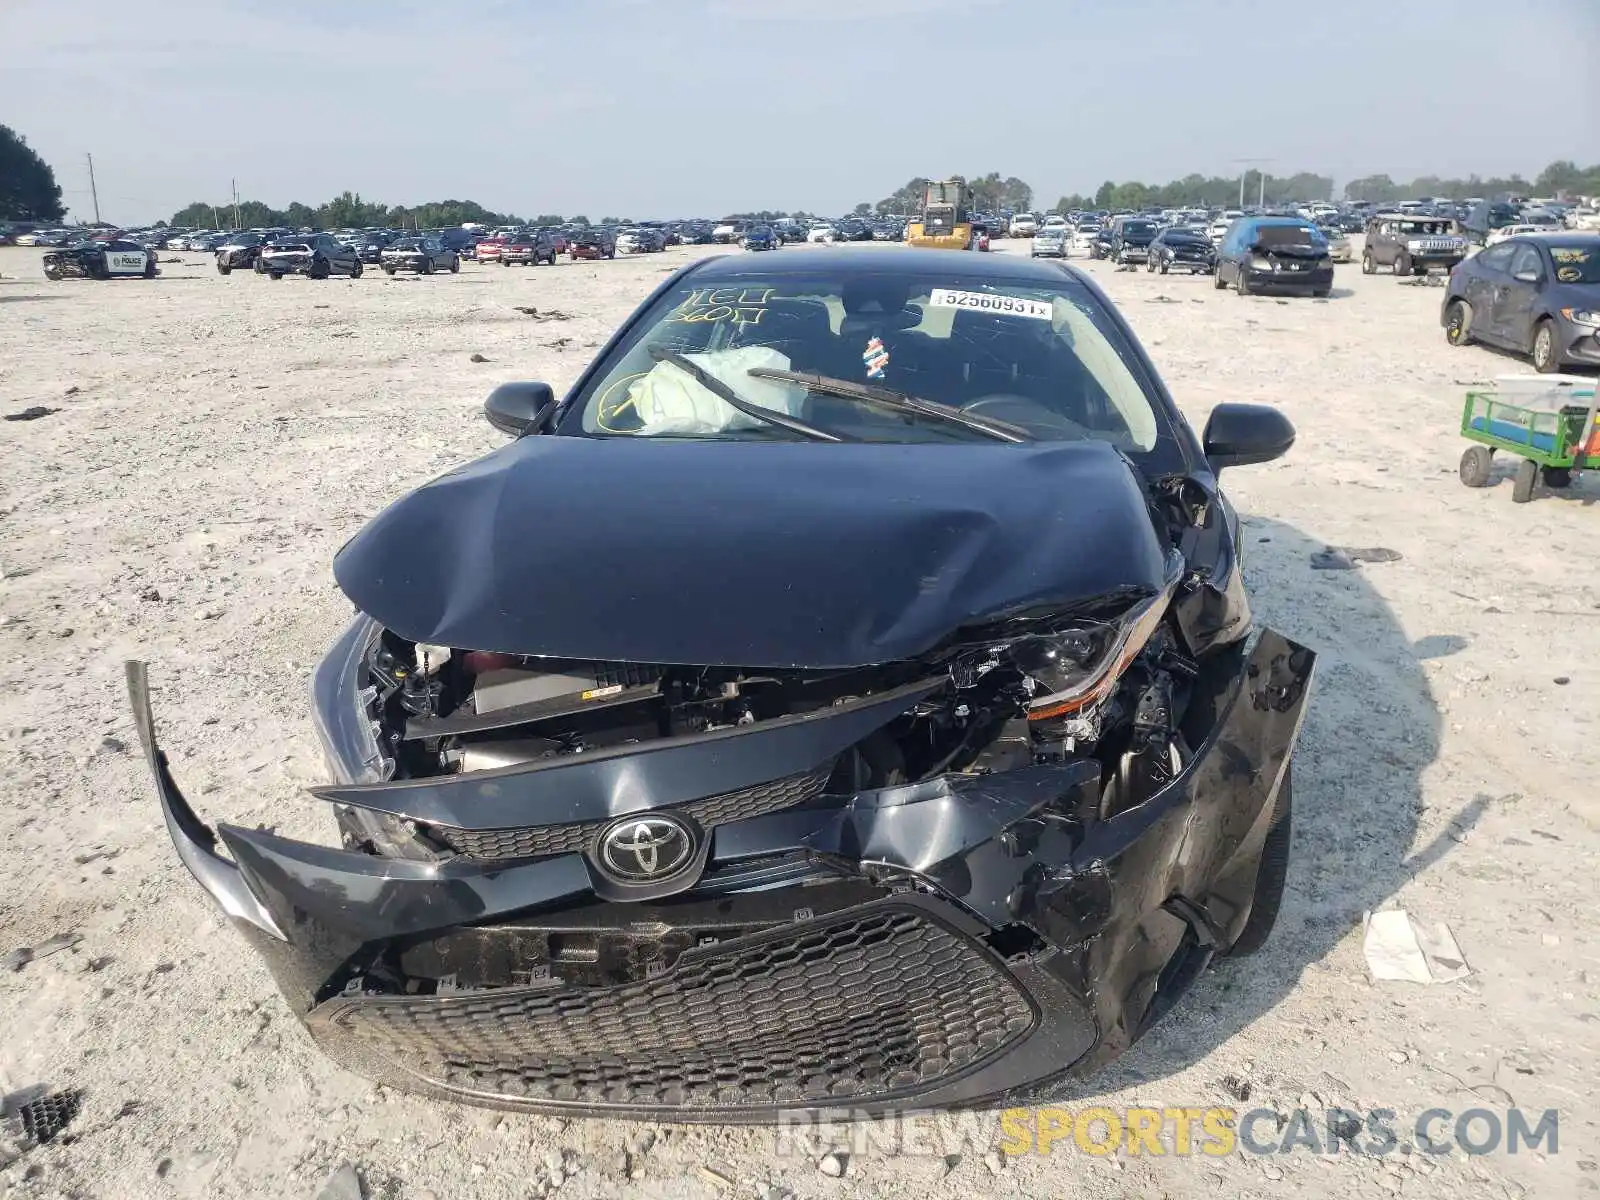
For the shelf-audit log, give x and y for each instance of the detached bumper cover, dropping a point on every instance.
(932, 945)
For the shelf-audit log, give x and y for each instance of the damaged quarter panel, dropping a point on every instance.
(846, 701)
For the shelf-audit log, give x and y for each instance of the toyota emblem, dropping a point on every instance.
(646, 849)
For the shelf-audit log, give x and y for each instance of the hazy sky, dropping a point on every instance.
(649, 109)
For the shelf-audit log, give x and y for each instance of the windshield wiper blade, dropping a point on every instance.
(900, 402)
(732, 398)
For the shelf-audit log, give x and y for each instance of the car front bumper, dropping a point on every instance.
(1289, 279)
(1579, 344)
(1131, 254)
(1195, 266)
(930, 945)
(418, 263)
(285, 266)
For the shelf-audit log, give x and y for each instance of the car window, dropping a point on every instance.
(1526, 259)
(1045, 355)
(1498, 258)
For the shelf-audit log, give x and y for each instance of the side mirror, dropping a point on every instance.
(1240, 434)
(1527, 277)
(518, 409)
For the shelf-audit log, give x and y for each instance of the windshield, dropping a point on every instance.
(406, 244)
(1425, 227)
(1042, 356)
(1276, 236)
(1138, 229)
(1576, 263)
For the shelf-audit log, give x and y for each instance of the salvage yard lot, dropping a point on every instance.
(216, 440)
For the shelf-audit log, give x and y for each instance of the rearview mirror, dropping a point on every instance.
(1240, 434)
(519, 408)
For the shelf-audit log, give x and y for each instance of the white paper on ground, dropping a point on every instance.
(1398, 948)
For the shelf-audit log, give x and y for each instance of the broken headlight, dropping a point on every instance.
(1078, 665)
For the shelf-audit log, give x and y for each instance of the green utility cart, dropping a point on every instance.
(1548, 421)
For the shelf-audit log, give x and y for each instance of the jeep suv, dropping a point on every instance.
(1410, 245)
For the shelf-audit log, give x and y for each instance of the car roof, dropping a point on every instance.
(875, 259)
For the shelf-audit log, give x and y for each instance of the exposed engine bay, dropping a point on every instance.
(1101, 684)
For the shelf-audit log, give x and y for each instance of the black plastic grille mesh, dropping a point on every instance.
(888, 1001)
(534, 841)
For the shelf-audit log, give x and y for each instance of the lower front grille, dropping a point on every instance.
(539, 840)
(886, 1002)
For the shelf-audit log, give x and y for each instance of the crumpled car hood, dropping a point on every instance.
(725, 553)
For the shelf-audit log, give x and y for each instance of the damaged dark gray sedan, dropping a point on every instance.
(845, 699)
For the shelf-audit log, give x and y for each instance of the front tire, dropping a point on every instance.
(455, 265)
(275, 274)
(52, 272)
(224, 269)
(1242, 283)
(1545, 359)
(1458, 323)
(355, 271)
(1272, 874)
(1217, 281)
(1402, 263)
(1368, 265)
(319, 269)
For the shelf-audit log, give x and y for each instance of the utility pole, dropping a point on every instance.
(1244, 170)
(1261, 199)
(234, 183)
(94, 195)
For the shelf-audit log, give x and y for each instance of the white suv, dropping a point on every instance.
(1024, 225)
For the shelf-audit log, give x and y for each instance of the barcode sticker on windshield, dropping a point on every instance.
(1011, 306)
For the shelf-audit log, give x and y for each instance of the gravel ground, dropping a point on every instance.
(216, 440)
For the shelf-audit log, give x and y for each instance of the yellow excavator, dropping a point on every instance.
(946, 220)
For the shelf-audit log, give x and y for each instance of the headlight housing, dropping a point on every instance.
(1414, 244)
(1581, 316)
(1263, 264)
(1077, 665)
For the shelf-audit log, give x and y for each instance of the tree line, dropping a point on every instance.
(1564, 176)
(28, 188)
(349, 211)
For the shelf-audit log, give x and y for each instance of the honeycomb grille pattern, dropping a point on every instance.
(539, 840)
(887, 1002)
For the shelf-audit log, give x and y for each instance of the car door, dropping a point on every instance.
(1228, 262)
(1483, 275)
(1517, 295)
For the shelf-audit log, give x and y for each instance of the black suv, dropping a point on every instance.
(1182, 249)
(530, 247)
(1130, 241)
(1411, 245)
(239, 250)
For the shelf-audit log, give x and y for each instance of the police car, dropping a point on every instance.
(113, 258)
